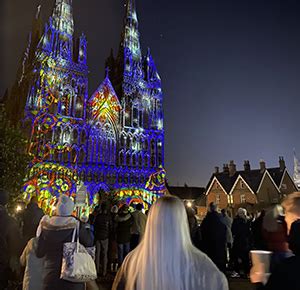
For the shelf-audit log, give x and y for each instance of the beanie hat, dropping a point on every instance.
(65, 206)
(3, 197)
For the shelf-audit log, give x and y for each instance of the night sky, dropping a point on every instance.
(230, 73)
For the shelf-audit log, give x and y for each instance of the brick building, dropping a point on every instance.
(249, 188)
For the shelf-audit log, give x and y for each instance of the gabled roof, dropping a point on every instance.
(252, 178)
(186, 192)
(224, 179)
(276, 174)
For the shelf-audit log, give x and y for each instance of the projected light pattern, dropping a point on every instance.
(113, 140)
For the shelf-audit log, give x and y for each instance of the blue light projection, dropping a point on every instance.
(114, 140)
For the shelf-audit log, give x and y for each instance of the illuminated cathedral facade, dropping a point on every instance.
(114, 138)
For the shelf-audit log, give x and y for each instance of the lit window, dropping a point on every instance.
(243, 198)
(217, 198)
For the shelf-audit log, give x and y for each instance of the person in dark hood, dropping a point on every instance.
(31, 218)
(285, 275)
(10, 246)
(102, 227)
(214, 232)
(56, 231)
(124, 222)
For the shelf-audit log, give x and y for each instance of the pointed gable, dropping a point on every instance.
(252, 178)
(104, 103)
(276, 174)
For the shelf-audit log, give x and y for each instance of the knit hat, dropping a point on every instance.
(3, 197)
(65, 206)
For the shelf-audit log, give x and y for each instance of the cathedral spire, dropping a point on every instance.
(62, 17)
(130, 37)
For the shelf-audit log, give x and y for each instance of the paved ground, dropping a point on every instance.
(234, 284)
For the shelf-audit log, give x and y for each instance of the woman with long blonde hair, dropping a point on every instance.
(166, 258)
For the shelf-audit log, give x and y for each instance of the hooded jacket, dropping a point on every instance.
(31, 218)
(55, 232)
(124, 222)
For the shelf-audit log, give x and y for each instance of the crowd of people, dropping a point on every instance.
(165, 249)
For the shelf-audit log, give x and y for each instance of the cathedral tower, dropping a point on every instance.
(138, 86)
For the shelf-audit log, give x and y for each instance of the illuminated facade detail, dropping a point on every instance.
(296, 175)
(114, 139)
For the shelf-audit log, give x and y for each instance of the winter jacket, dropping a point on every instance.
(214, 238)
(241, 235)
(227, 221)
(10, 242)
(34, 267)
(55, 232)
(139, 223)
(31, 218)
(102, 226)
(124, 222)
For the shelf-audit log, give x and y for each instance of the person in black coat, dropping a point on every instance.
(214, 232)
(10, 242)
(31, 218)
(102, 226)
(241, 242)
(124, 222)
(56, 231)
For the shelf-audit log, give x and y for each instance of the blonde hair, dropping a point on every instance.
(166, 258)
(291, 203)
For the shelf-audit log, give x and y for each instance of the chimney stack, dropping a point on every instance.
(216, 169)
(225, 168)
(281, 163)
(247, 165)
(262, 165)
(232, 168)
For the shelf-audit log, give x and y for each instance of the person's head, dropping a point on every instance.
(114, 209)
(139, 207)
(64, 206)
(270, 220)
(291, 205)
(4, 197)
(165, 249)
(212, 207)
(34, 200)
(242, 212)
(124, 209)
(84, 218)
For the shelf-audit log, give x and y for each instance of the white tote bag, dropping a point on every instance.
(77, 264)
